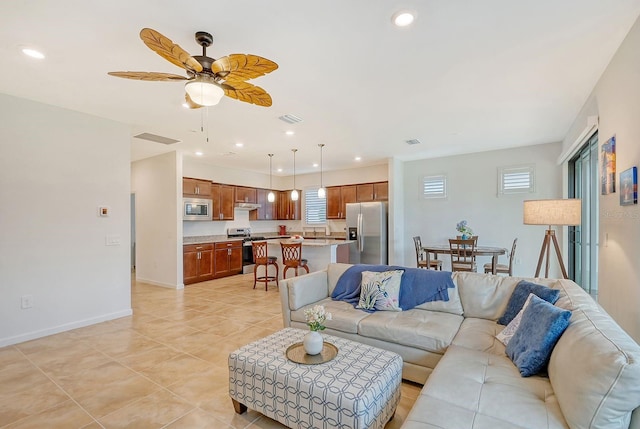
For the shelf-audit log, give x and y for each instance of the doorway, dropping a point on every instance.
(583, 239)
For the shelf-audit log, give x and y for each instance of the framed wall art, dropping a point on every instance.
(629, 187)
(608, 173)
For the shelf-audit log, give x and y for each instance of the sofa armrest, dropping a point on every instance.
(296, 292)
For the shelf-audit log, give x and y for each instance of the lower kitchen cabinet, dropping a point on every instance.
(228, 258)
(197, 262)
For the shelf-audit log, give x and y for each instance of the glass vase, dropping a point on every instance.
(313, 343)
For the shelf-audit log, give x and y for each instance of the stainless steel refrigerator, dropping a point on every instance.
(367, 225)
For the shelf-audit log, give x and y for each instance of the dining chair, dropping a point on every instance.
(261, 258)
(423, 259)
(502, 268)
(292, 258)
(463, 254)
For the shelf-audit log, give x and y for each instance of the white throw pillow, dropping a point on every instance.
(380, 291)
(507, 333)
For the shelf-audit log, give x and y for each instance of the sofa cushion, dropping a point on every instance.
(427, 330)
(334, 272)
(479, 334)
(595, 372)
(541, 326)
(480, 390)
(521, 293)
(305, 290)
(380, 291)
(453, 306)
(486, 296)
(344, 317)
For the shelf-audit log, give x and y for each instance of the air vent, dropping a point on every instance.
(412, 141)
(290, 119)
(157, 139)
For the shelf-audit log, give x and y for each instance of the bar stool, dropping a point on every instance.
(261, 258)
(292, 258)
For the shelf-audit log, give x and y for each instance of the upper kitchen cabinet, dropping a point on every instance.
(223, 197)
(337, 199)
(267, 210)
(287, 209)
(246, 195)
(196, 188)
(378, 191)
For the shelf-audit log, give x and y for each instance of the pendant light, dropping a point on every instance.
(322, 192)
(294, 193)
(271, 197)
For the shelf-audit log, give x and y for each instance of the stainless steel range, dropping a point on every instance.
(247, 238)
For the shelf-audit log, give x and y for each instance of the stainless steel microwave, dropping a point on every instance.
(196, 209)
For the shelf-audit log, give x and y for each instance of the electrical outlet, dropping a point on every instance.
(26, 301)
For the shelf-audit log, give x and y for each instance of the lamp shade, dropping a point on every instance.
(203, 91)
(552, 212)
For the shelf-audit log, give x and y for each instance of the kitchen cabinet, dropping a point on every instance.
(337, 199)
(287, 209)
(267, 210)
(228, 258)
(223, 197)
(197, 262)
(246, 195)
(196, 188)
(378, 191)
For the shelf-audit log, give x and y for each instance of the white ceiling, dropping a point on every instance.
(466, 76)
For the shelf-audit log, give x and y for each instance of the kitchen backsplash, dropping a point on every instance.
(199, 228)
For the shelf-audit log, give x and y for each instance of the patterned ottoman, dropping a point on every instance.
(359, 388)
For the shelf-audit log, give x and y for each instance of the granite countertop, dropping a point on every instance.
(201, 239)
(315, 242)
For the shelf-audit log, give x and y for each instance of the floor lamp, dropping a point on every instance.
(551, 212)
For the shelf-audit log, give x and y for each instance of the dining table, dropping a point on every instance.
(494, 252)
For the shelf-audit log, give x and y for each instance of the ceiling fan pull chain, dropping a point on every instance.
(207, 123)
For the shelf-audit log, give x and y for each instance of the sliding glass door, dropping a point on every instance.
(583, 239)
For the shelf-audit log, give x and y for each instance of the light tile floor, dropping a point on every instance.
(163, 367)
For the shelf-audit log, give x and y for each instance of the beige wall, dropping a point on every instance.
(157, 185)
(56, 168)
(616, 101)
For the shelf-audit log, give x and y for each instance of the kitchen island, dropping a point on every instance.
(318, 253)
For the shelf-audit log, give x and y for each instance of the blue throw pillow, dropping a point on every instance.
(541, 326)
(520, 295)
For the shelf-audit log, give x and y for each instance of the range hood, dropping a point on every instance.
(247, 206)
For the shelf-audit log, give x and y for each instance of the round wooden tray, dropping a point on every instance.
(295, 353)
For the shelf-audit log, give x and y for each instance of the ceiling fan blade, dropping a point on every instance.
(241, 67)
(147, 75)
(168, 50)
(190, 103)
(248, 93)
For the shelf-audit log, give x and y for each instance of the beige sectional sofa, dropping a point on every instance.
(469, 382)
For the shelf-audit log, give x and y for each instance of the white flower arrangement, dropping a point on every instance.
(316, 317)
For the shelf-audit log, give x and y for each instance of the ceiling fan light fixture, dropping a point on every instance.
(204, 91)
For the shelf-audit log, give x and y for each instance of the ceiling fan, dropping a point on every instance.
(207, 79)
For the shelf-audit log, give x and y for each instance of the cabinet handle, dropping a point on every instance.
(199, 247)
(228, 251)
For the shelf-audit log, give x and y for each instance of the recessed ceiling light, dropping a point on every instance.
(289, 132)
(315, 164)
(358, 158)
(33, 53)
(239, 144)
(403, 18)
(185, 105)
(199, 153)
(279, 170)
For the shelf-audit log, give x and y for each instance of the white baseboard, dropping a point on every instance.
(155, 283)
(62, 328)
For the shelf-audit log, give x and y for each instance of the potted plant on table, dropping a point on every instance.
(465, 231)
(315, 318)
